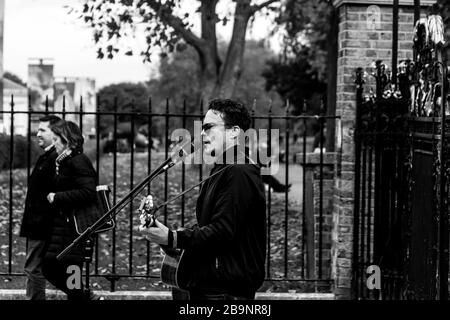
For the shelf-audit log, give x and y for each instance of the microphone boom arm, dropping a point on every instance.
(168, 163)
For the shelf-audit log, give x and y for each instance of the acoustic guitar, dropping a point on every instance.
(174, 267)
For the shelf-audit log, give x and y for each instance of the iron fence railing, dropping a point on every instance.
(122, 159)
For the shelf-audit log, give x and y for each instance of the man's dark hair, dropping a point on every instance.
(50, 118)
(234, 113)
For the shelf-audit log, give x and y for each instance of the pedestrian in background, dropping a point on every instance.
(75, 190)
(37, 217)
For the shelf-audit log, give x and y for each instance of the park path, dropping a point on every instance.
(295, 176)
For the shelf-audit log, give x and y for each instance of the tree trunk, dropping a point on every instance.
(209, 58)
(232, 68)
(208, 77)
(219, 80)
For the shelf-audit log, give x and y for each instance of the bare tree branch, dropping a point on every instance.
(177, 24)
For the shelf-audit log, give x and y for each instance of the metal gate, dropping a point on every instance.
(402, 168)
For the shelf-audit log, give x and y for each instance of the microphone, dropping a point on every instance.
(106, 220)
(179, 153)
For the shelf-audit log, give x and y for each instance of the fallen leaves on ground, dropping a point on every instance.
(132, 246)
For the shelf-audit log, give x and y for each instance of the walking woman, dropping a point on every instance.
(75, 182)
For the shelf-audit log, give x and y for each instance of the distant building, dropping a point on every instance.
(65, 97)
(75, 94)
(40, 84)
(20, 94)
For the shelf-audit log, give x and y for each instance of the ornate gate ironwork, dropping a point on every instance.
(402, 175)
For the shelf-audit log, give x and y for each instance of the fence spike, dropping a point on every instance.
(46, 104)
(63, 107)
(81, 113)
(116, 102)
(149, 105)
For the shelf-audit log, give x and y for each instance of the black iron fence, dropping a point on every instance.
(124, 147)
(402, 152)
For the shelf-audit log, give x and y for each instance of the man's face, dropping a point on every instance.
(213, 133)
(44, 135)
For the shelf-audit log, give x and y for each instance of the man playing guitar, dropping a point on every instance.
(224, 254)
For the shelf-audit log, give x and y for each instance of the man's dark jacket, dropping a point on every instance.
(37, 217)
(226, 252)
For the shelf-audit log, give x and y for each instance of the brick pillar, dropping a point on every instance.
(365, 35)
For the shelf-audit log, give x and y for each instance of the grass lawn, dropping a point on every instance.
(133, 255)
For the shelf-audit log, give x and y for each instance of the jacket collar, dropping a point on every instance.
(49, 148)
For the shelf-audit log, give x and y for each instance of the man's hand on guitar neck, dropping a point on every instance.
(158, 233)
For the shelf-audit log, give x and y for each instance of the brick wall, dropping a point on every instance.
(359, 44)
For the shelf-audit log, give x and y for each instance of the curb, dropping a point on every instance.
(19, 294)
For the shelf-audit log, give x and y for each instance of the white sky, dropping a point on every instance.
(43, 29)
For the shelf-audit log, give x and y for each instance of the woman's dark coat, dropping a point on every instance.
(75, 187)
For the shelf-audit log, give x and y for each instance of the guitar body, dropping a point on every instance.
(174, 268)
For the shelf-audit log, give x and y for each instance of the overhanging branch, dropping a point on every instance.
(176, 23)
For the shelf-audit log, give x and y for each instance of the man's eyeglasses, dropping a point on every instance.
(207, 126)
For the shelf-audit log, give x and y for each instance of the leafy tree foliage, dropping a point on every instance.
(178, 81)
(123, 97)
(296, 80)
(307, 25)
(166, 25)
(178, 86)
(302, 72)
(251, 86)
(130, 96)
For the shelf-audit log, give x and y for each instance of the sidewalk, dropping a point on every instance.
(17, 294)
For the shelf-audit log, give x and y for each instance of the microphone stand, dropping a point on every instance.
(87, 235)
(111, 213)
(88, 249)
(117, 207)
